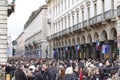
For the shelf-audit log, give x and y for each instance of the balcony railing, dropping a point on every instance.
(64, 31)
(48, 37)
(118, 10)
(98, 18)
(110, 14)
(84, 23)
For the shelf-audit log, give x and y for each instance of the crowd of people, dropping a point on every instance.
(50, 69)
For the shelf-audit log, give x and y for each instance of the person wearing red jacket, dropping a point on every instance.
(80, 74)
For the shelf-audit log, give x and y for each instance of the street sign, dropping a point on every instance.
(14, 42)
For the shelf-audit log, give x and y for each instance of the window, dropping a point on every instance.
(88, 12)
(73, 19)
(103, 6)
(65, 4)
(68, 3)
(59, 26)
(65, 23)
(82, 15)
(112, 4)
(95, 9)
(62, 24)
(68, 21)
(77, 17)
(61, 6)
(73, 1)
(54, 27)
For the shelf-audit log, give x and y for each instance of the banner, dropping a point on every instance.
(105, 48)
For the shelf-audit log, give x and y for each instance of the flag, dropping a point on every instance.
(57, 50)
(13, 3)
(77, 48)
(105, 48)
(66, 49)
(54, 52)
(32, 46)
(97, 45)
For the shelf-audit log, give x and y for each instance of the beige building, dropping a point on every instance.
(5, 11)
(36, 32)
(82, 24)
(20, 47)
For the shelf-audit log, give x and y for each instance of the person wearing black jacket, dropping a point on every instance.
(19, 73)
(7, 68)
(38, 75)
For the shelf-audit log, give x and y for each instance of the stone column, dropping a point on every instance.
(87, 51)
(101, 54)
(110, 43)
(82, 51)
(94, 50)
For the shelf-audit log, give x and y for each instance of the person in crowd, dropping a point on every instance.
(76, 72)
(20, 74)
(61, 73)
(8, 68)
(38, 75)
(69, 75)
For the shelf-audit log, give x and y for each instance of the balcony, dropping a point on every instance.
(118, 10)
(85, 23)
(64, 31)
(108, 15)
(74, 27)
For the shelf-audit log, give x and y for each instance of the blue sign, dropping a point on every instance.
(105, 48)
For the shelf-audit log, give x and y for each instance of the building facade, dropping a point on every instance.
(36, 32)
(20, 47)
(83, 29)
(118, 24)
(5, 11)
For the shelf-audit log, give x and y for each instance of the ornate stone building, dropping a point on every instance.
(36, 32)
(83, 23)
(5, 11)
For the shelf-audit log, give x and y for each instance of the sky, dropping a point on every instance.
(23, 9)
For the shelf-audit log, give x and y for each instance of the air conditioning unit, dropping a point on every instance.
(49, 21)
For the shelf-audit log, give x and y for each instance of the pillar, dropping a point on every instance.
(101, 54)
(87, 51)
(110, 43)
(94, 50)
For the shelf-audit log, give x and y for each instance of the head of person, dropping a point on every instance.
(39, 68)
(45, 66)
(76, 69)
(69, 70)
(21, 67)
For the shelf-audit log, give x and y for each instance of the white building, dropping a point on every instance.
(36, 32)
(20, 47)
(83, 22)
(9, 47)
(5, 11)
